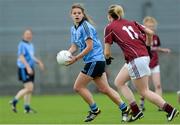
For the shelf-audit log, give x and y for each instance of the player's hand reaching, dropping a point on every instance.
(41, 66)
(166, 50)
(109, 60)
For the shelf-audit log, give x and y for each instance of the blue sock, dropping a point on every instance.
(122, 106)
(93, 107)
(26, 107)
(15, 101)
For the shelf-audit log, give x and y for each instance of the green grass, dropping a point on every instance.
(70, 109)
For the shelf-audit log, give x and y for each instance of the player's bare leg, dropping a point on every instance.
(142, 87)
(103, 86)
(80, 87)
(27, 88)
(156, 80)
(157, 83)
(121, 84)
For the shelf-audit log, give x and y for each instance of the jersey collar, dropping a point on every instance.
(25, 41)
(76, 27)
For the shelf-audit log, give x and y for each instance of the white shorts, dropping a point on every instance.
(156, 69)
(139, 67)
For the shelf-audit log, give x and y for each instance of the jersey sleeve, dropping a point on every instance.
(21, 49)
(108, 35)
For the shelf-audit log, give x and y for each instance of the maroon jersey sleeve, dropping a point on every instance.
(108, 38)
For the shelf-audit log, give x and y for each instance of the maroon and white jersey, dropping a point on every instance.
(129, 36)
(154, 59)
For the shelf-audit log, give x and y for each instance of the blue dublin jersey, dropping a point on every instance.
(80, 34)
(27, 49)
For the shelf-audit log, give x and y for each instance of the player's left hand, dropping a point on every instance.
(166, 50)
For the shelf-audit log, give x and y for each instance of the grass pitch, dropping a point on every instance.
(70, 109)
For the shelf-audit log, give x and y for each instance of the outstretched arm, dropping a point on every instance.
(160, 49)
(40, 63)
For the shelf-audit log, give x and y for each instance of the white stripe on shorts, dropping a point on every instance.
(91, 68)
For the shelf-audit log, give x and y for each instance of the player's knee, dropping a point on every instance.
(103, 90)
(76, 89)
(30, 89)
(117, 83)
(143, 93)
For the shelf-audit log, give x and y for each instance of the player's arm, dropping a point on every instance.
(149, 39)
(23, 60)
(107, 50)
(39, 62)
(89, 47)
(160, 49)
(149, 36)
(149, 33)
(108, 40)
(107, 53)
(73, 48)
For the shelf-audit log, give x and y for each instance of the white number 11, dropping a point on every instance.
(130, 32)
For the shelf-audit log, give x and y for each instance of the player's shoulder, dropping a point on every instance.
(137, 23)
(87, 24)
(72, 28)
(21, 43)
(155, 36)
(87, 27)
(109, 26)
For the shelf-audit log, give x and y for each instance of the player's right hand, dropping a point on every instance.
(29, 70)
(70, 62)
(109, 60)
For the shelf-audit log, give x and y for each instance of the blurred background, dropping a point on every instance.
(50, 21)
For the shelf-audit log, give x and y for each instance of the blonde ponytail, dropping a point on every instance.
(116, 11)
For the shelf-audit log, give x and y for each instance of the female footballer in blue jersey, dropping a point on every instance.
(26, 62)
(84, 36)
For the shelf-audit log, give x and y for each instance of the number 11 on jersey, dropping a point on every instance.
(130, 32)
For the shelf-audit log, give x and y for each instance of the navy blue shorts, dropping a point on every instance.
(24, 76)
(94, 69)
